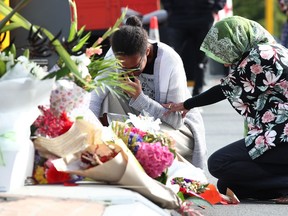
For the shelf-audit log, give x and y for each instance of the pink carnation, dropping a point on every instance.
(154, 158)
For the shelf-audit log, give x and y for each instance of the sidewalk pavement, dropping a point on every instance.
(224, 126)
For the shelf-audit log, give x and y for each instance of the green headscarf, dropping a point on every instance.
(230, 38)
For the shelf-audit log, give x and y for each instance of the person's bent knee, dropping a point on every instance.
(214, 165)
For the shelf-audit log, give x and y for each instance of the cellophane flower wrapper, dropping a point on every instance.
(21, 93)
(67, 96)
(124, 170)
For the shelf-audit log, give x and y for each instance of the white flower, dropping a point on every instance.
(82, 62)
(23, 59)
(6, 58)
(21, 67)
(144, 122)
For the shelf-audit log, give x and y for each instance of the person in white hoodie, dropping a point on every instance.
(159, 78)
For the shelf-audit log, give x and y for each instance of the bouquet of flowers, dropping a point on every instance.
(49, 125)
(21, 91)
(153, 149)
(77, 140)
(194, 192)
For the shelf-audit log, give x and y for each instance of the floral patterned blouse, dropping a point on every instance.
(257, 88)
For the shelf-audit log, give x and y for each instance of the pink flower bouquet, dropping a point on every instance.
(152, 148)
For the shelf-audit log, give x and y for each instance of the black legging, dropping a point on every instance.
(265, 177)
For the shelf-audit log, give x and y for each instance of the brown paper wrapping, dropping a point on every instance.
(124, 169)
(81, 135)
(144, 184)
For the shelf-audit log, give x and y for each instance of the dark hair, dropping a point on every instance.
(130, 39)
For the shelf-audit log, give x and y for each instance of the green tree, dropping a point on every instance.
(255, 10)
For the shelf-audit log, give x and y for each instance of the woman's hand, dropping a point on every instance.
(135, 85)
(175, 107)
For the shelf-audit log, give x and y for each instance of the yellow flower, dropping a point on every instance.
(40, 175)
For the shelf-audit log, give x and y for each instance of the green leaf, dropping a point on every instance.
(64, 55)
(2, 68)
(10, 27)
(162, 178)
(58, 74)
(72, 32)
(73, 5)
(113, 29)
(2, 162)
(26, 53)
(16, 18)
(10, 14)
(82, 42)
(11, 135)
(181, 195)
(80, 32)
(199, 202)
(12, 49)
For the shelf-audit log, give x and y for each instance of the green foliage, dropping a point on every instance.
(163, 178)
(200, 202)
(255, 10)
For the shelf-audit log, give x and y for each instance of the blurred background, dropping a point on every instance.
(98, 15)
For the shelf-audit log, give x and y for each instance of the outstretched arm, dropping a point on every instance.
(211, 96)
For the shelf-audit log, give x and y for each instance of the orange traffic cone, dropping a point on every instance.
(154, 30)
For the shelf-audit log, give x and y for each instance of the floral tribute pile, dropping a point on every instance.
(135, 156)
(27, 85)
